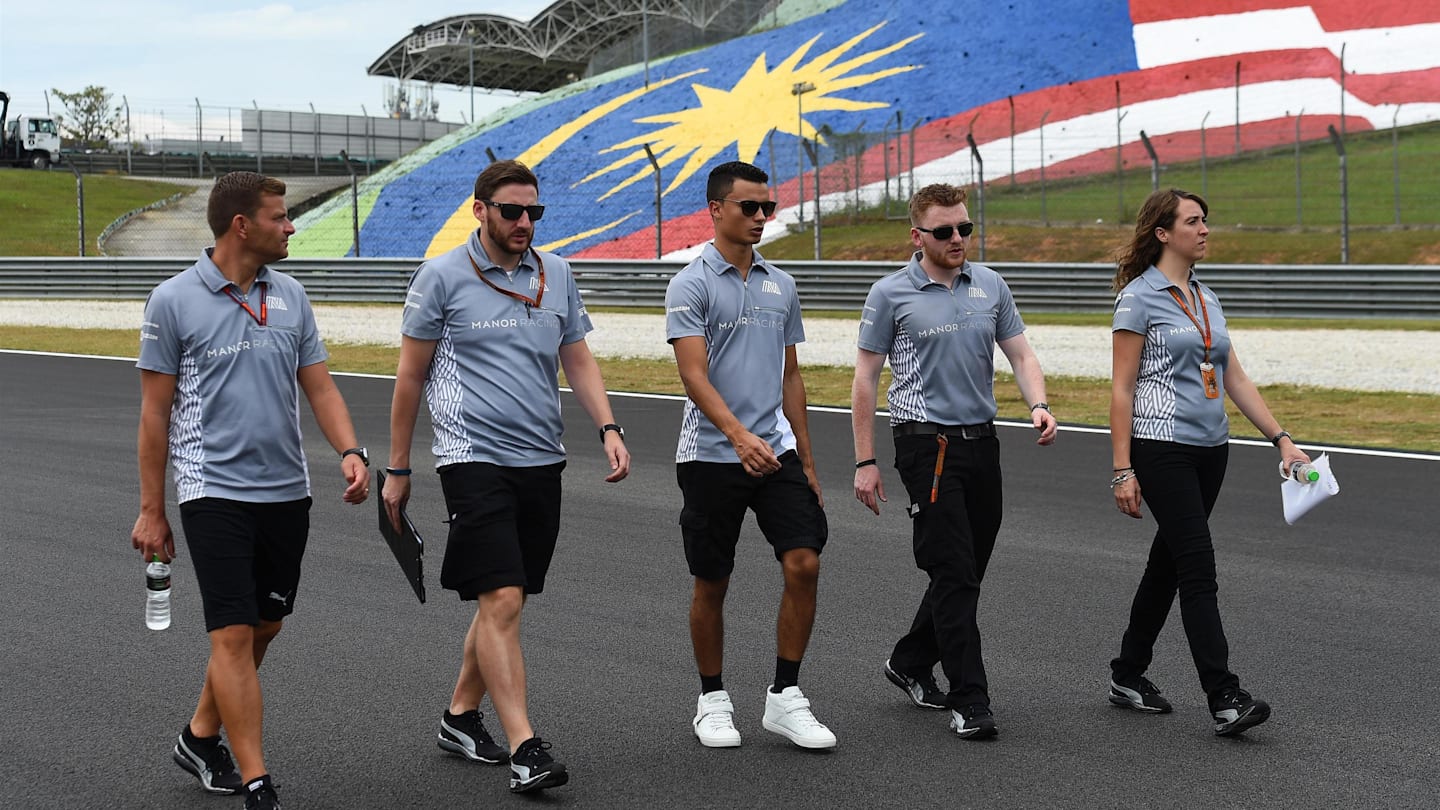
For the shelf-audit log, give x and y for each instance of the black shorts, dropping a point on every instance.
(246, 557)
(503, 525)
(716, 497)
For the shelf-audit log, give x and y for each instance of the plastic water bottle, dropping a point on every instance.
(157, 594)
(1304, 472)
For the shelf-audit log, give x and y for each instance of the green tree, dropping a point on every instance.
(91, 118)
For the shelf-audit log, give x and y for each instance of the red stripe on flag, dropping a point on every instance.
(1334, 15)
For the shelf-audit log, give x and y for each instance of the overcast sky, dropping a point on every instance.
(163, 54)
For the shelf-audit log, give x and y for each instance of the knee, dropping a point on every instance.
(232, 641)
(801, 567)
(265, 632)
(501, 607)
(711, 592)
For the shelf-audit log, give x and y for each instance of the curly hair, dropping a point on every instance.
(1158, 211)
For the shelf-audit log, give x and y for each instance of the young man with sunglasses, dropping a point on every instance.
(733, 320)
(226, 348)
(939, 320)
(486, 328)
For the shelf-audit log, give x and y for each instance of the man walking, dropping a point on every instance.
(939, 320)
(225, 349)
(733, 320)
(487, 326)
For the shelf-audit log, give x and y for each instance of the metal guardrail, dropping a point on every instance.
(1299, 291)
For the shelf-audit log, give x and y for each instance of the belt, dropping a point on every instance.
(983, 430)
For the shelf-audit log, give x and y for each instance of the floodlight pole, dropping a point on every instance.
(798, 90)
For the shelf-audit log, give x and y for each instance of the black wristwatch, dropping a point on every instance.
(613, 427)
(357, 451)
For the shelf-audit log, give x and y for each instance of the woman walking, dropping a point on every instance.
(1173, 367)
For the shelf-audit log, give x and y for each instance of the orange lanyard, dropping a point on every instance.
(529, 302)
(1205, 311)
(264, 303)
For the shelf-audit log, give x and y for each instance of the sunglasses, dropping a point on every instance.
(512, 211)
(944, 232)
(749, 207)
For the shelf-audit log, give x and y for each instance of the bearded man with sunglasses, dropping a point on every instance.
(486, 328)
(939, 320)
(733, 320)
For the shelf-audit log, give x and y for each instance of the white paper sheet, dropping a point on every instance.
(1300, 498)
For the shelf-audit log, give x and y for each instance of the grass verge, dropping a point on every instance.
(1314, 415)
(40, 217)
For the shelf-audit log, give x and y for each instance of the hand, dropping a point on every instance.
(814, 481)
(756, 455)
(357, 475)
(1127, 497)
(1044, 421)
(395, 495)
(619, 456)
(152, 536)
(869, 489)
(1289, 454)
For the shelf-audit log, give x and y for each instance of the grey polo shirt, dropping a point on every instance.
(235, 422)
(941, 341)
(1170, 401)
(747, 325)
(492, 387)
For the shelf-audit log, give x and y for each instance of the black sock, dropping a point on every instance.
(711, 683)
(787, 673)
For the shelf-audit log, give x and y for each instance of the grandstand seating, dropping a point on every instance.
(943, 70)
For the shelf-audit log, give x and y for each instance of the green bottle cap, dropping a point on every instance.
(155, 558)
(1313, 476)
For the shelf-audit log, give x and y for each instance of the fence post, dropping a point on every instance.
(1044, 213)
(1395, 158)
(1204, 170)
(1011, 99)
(79, 199)
(1299, 219)
(199, 140)
(315, 129)
(1154, 162)
(1119, 160)
(1237, 108)
(259, 138)
(1344, 197)
(979, 188)
(354, 200)
(659, 217)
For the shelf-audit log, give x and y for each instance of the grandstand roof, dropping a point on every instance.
(550, 50)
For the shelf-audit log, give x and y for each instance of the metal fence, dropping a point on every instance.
(1327, 291)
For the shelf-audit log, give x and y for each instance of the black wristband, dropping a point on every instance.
(1275, 440)
(869, 462)
(397, 470)
(607, 428)
(1044, 405)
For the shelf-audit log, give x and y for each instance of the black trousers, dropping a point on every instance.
(953, 539)
(1180, 484)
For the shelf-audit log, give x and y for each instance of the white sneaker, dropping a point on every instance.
(788, 714)
(714, 721)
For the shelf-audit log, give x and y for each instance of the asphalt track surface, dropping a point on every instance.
(1332, 621)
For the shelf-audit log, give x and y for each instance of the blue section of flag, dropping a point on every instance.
(971, 53)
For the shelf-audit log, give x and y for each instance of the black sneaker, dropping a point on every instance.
(1234, 711)
(974, 722)
(922, 691)
(532, 768)
(260, 795)
(208, 761)
(465, 734)
(1140, 694)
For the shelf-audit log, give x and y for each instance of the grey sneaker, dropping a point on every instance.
(922, 691)
(465, 734)
(210, 762)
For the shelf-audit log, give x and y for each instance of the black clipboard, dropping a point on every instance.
(407, 544)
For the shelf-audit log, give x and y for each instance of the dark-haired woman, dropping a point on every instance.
(1173, 367)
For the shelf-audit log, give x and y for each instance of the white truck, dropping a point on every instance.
(28, 140)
